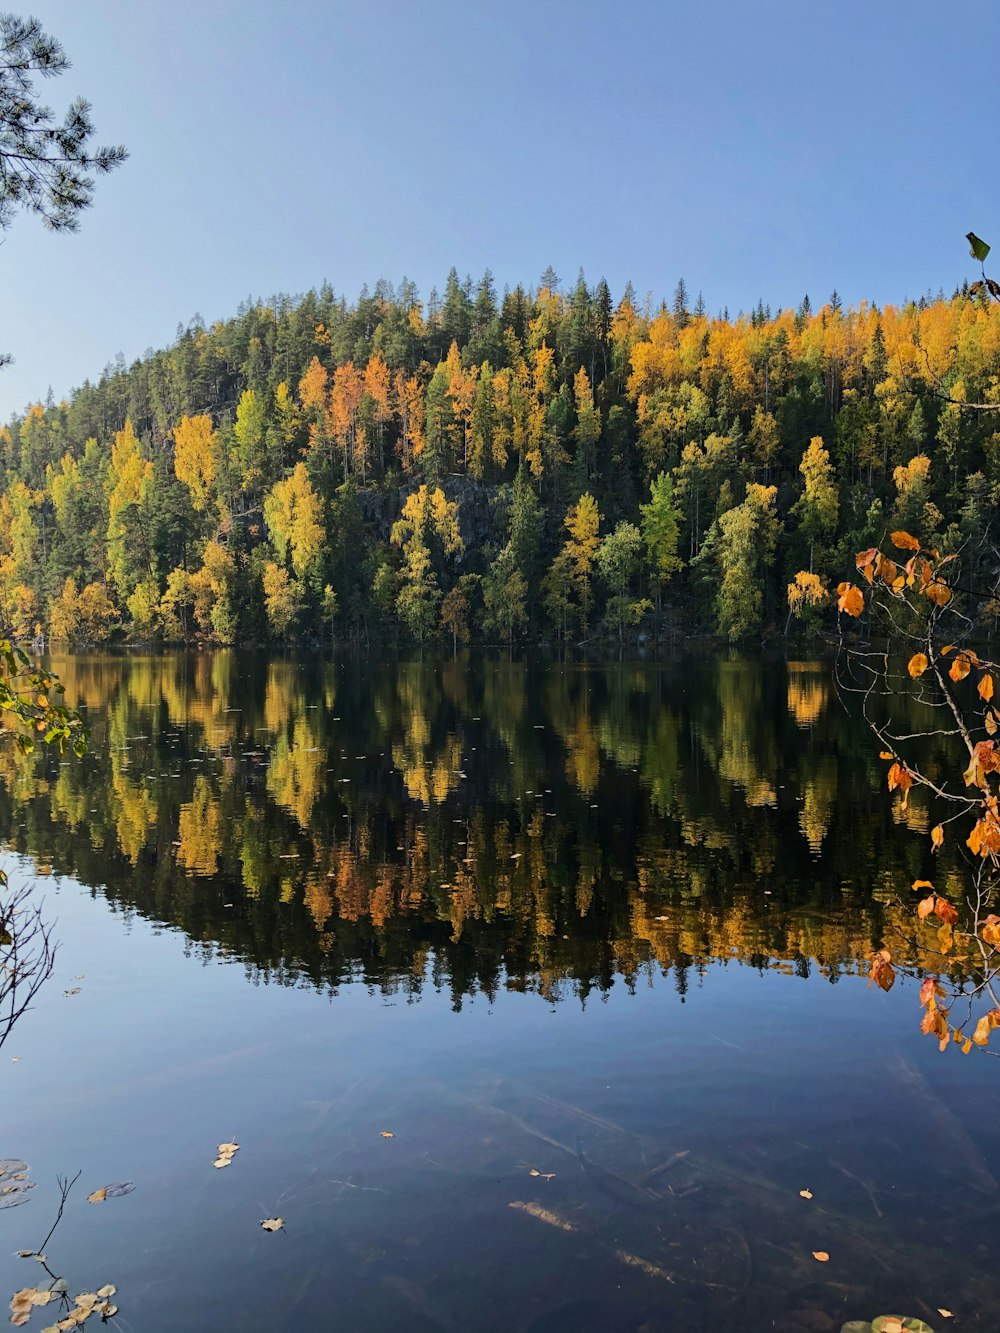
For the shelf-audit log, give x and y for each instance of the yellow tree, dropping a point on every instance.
(313, 397)
(570, 578)
(819, 504)
(195, 453)
(411, 417)
(293, 513)
(587, 431)
(342, 415)
(282, 597)
(130, 479)
(462, 392)
(378, 387)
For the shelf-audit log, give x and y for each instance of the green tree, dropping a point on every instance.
(747, 535)
(505, 598)
(618, 561)
(661, 533)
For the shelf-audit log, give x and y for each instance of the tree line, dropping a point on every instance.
(547, 463)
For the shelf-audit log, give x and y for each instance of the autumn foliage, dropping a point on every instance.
(217, 489)
(919, 593)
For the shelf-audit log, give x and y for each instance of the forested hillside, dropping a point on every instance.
(538, 465)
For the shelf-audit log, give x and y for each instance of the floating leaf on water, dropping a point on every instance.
(651, 1270)
(73, 990)
(14, 1182)
(273, 1224)
(805, 1194)
(111, 1192)
(945, 1314)
(227, 1151)
(821, 1256)
(388, 1134)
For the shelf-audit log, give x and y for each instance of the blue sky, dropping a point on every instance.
(761, 149)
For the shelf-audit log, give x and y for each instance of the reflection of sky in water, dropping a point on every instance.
(736, 818)
(769, 1083)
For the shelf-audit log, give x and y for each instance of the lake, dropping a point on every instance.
(534, 994)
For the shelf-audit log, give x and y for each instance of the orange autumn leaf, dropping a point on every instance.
(904, 542)
(865, 561)
(985, 688)
(887, 569)
(991, 930)
(917, 665)
(961, 667)
(921, 884)
(850, 599)
(925, 907)
(937, 835)
(946, 911)
(899, 776)
(938, 592)
(821, 1256)
(881, 970)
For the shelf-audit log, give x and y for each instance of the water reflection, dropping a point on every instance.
(475, 824)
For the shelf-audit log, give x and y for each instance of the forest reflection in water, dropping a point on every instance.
(513, 841)
(487, 823)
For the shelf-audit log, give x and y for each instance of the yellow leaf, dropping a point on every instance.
(990, 723)
(805, 1194)
(98, 1196)
(388, 1134)
(105, 1292)
(937, 835)
(986, 688)
(273, 1223)
(922, 884)
(945, 1314)
(821, 1256)
(917, 665)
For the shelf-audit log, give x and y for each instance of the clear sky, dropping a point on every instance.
(761, 148)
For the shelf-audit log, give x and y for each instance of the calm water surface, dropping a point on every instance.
(603, 924)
